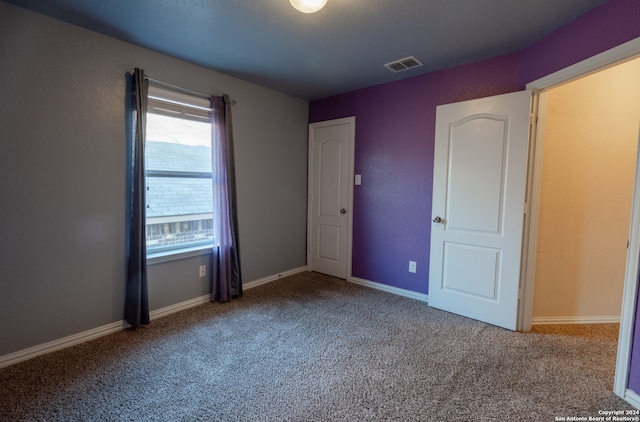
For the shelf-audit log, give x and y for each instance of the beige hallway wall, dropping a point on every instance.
(590, 143)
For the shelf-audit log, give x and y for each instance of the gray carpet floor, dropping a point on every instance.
(314, 348)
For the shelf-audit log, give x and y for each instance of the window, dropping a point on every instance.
(178, 171)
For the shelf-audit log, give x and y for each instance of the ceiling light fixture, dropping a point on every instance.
(308, 6)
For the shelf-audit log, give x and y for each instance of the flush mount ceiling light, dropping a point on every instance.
(308, 6)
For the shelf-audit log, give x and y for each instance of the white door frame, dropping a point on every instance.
(609, 58)
(352, 138)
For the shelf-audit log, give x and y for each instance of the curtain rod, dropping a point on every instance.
(180, 89)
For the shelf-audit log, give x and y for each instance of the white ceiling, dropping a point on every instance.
(341, 48)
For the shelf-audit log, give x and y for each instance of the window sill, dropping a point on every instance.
(176, 254)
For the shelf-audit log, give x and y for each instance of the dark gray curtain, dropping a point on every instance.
(137, 300)
(226, 275)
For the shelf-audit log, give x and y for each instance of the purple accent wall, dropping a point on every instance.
(395, 127)
(609, 25)
(634, 373)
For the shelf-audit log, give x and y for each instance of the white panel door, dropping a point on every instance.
(330, 191)
(479, 183)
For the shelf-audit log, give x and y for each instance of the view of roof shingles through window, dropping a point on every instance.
(168, 196)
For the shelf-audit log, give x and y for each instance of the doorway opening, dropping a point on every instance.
(590, 130)
(610, 58)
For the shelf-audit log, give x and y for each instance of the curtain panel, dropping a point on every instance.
(226, 274)
(137, 298)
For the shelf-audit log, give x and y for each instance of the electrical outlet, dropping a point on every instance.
(412, 266)
(203, 270)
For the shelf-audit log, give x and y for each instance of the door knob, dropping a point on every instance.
(437, 219)
(343, 211)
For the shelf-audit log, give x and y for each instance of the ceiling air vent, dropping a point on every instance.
(403, 64)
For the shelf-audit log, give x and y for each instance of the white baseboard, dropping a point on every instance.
(171, 309)
(75, 339)
(612, 319)
(62, 343)
(265, 280)
(390, 289)
(632, 398)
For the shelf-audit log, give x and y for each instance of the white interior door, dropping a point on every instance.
(330, 196)
(480, 171)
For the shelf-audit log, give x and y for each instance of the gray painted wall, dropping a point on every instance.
(63, 183)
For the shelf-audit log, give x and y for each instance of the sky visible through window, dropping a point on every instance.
(178, 131)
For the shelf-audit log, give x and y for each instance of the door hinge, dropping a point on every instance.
(533, 119)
